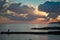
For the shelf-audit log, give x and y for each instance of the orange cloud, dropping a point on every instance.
(52, 20)
(38, 21)
(36, 11)
(58, 18)
(40, 13)
(8, 21)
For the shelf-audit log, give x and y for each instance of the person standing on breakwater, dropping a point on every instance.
(8, 30)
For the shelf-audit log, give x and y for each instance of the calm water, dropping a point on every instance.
(25, 27)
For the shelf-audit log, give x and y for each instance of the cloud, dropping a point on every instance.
(58, 18)
(24, 13)
(50, 6)
(18, 13)
(40, 13)
(53, 8)
(23, 17)
(20, 9)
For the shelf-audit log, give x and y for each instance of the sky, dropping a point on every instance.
(27, 13)
(32, 2)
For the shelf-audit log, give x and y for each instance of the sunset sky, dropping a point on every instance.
(32, 2)
(28, 12)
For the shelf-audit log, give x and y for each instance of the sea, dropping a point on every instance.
(25, 28)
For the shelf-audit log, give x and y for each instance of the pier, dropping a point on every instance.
(49, 33)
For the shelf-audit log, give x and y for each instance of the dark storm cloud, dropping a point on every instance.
(16, 7)
(53, 8)
(50, 7)
(1, 4)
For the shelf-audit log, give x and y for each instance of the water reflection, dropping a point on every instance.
(24, 37)
(53, 37)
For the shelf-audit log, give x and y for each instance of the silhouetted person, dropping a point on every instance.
(8, 30)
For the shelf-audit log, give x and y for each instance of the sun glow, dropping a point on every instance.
(58, 18)
(40, 13)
